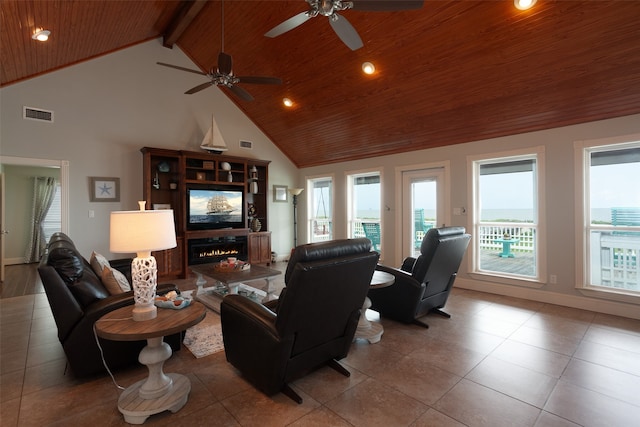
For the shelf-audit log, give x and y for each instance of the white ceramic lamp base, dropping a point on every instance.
(144, 275)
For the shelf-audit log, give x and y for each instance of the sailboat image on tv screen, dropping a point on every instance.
(219, 205)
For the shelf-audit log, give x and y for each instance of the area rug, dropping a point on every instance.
(205, 338)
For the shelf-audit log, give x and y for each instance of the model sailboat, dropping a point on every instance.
(213, 141)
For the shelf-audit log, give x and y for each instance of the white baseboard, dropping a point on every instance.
(282, 258)
(13, 261)
(574, 301)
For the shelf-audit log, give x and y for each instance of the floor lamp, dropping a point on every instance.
(143, 232)
(295, 192)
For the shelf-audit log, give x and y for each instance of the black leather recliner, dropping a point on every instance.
(78, 298)
(313, 323)
(423, 285)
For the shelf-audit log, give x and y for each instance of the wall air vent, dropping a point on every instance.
(246, 144)
(37, 114)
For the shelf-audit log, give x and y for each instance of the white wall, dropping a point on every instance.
(106, 109)
(560, 188)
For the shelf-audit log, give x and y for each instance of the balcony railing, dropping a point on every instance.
(321, 230)
(614, 259)
(523, 235)
(614, 262)
(523, 248)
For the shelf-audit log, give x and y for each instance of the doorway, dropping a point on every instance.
(63, 165)
(423, 206)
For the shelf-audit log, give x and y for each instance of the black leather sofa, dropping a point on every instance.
(78, 298)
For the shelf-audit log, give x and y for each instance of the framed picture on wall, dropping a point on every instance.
(103, 189)
(280, 193)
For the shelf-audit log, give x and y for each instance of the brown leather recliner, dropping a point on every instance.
(423, 285)
(313, 323)
(78, 298)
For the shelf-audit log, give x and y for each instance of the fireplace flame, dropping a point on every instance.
(217, 253)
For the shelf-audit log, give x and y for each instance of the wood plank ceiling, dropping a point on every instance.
(452, 72)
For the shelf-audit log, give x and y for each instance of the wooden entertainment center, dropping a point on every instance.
(167, 174)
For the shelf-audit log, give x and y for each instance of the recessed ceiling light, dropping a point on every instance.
(524, 4)
(287, 102)
(368, 68)
(41, 35)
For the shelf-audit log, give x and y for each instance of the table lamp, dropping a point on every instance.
(142, 232)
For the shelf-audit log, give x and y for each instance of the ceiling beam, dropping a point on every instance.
(181, 21)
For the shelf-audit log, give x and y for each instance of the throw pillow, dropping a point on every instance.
(98, 263)
(114, 281)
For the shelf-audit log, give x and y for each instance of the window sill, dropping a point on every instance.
(610, 294)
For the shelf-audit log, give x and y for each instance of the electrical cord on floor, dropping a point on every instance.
(104, 362)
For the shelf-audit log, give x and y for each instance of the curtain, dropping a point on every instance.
(44, 190)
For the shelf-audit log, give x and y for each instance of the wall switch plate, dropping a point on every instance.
(92, 214)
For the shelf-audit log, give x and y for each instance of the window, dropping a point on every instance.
(320, 209)
(364, 206)
(611, 217)
(506, 211)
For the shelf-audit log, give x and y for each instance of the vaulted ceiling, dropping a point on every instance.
(451, 72)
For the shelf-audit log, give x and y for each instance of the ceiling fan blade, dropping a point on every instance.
(260, 80)
(224, 63)
(386, 5)
(181, 68)
(346, 32)
(287, 25)
(240, 93)
(198, 88)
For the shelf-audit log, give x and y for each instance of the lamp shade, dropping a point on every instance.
(295, 191)
(142, 231)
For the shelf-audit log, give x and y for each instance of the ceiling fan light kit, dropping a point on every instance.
(223, 75)
(343, 29)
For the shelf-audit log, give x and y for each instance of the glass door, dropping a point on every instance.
(320, 209)
(422, 206)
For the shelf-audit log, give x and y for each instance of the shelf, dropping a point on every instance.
(185, 167)
(198, 181)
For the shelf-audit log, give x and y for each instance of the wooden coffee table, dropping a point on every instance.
(229, 282)
(158, 392)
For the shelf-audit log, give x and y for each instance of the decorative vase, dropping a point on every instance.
(256, 225)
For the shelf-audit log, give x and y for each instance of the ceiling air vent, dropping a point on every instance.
(246, 144)
(37, 114)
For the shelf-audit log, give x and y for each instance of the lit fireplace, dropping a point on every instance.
(202, 251)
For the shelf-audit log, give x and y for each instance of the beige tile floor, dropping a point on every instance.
(497, 362)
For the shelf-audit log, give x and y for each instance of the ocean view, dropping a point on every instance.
(522, 215)
(525, 215)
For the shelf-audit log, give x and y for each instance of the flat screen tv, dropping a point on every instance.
(215, 208)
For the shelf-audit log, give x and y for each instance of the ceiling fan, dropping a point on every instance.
(340, 25)
(223, 75)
